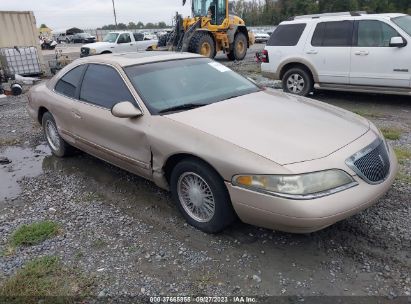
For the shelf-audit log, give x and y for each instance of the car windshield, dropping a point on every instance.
(404, 22)
(111, 37)
(186, 84)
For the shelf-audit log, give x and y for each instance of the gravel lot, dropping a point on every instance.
(126, 233)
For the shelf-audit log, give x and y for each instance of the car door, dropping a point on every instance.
(64, 94)
(124, 43)
(373, 61)
(329, 50)
(121, 141)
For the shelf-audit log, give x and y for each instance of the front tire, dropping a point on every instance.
(297, 81)
(57, 144)
(201, 196)
(202, 43)
(239, 48)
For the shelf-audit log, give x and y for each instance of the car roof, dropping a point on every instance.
(133, 58)
(340, 16)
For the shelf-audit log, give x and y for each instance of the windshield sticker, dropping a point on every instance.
(219, 67)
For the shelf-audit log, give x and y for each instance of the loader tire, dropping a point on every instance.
(239, 47)
(162, 41)
(202, 43)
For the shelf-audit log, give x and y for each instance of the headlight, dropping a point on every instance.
(304, 186)
(93, 51)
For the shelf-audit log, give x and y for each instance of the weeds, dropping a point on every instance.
(34, 234)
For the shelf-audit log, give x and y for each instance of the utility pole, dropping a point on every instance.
(115, 15)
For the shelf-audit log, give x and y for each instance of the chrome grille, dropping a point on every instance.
(372, 164)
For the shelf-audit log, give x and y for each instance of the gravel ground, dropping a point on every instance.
(127, 234)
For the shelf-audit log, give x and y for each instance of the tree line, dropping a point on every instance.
(133, 26)
(272, 12)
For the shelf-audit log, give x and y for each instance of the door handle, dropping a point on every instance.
(362, 53)
(312, 52)
(76, 114)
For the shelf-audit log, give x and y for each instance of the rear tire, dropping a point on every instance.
(57, 144)
(239, 48)
(202, 43)
(297, 81)
(201, 196)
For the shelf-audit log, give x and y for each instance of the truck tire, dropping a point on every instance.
(239, 48)
(202, 43)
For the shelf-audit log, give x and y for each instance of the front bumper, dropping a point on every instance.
(305, 216)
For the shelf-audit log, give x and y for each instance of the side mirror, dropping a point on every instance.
(125, 109)
(397, 42)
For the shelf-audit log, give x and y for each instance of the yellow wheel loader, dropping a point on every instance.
(211, 29)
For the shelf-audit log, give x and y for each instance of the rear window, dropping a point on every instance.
(336, 33)
(286, 35)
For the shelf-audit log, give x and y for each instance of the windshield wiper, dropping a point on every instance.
(188, 106)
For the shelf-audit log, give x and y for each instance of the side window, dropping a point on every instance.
(336, 33)
(103, 86)
(138, 36)
(69, 83)
(124, 38)
(286, 35)
(372, 33)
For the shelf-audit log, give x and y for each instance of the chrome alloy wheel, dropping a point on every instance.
(196, 197)
(295, 83)
(53, 137)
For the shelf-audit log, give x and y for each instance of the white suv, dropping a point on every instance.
(341, 51)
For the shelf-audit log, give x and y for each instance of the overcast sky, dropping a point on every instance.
(85, 14)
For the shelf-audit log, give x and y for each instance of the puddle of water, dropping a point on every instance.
(25, 162)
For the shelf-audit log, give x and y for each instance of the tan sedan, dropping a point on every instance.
(223, 146)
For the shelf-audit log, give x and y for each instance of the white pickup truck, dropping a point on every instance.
(118, 42)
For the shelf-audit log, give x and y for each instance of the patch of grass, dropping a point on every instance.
(133, 249)
(367, 114)
(79, 255)
(402, 154)
(99, 244)
(404, 178)
(9, 251)
(9, 142)
(391, 133)
(45, 277)
(34, 234)
(89, 197)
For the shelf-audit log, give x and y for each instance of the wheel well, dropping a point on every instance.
(292, 65)
(173, 160)
(243, 29)
(42, 111)
(106, 52)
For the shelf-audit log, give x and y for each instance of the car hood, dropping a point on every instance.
(96, 45)
(283, 128)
